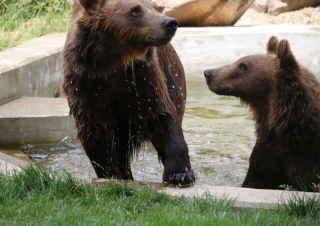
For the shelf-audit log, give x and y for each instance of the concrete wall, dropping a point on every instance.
(32, 69)
(204, 48)
(35, 68)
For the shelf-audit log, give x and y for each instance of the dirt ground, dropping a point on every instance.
(306, 16)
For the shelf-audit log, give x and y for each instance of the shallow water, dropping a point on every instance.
(218, 130)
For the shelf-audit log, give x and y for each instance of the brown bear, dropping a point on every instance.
(125, 85)
(284, 98)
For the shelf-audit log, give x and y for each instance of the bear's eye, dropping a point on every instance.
(136, 11)
(242, 67)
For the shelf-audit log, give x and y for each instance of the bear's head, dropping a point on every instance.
(253, 78)
(127, 27)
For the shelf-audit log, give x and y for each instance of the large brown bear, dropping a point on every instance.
(125, 85)
(284, 98)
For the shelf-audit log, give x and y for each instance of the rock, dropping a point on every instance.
(200, 13)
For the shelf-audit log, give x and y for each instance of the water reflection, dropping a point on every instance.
(218, 130)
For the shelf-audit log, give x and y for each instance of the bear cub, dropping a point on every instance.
(125, 85)
(284, 98)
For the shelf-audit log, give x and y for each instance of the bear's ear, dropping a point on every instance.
(272, 44)
(285, 56)
(87, 4)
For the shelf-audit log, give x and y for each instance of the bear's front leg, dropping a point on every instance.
(167, 137)
(265, 171)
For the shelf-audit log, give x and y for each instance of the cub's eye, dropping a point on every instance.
(242, 67)
(136, 11)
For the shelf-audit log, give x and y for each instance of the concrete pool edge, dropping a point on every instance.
(245, 198)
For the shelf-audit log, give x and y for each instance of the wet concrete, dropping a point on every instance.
(35, 120)
(12, 160)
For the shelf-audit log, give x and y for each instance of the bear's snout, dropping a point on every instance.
(208, 73)
(170, 24)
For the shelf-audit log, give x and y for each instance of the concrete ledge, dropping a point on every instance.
(245, 197)
(35, 120)
(8, 163)
(33, 68)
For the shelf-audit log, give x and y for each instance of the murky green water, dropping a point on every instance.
(218, 130)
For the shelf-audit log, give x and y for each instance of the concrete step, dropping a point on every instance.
(35, 120)
(245, 197)
(11, 160)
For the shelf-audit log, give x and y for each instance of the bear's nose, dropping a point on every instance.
(207, 73)
(171, 24)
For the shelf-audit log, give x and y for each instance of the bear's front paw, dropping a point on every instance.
(185, 179)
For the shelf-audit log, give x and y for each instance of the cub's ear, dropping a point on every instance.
(285, 56)
(272, 44)
(87, 4)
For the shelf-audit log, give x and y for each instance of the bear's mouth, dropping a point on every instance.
(160, 41)
(220, 90)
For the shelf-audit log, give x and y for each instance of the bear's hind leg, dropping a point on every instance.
(125, 151)
(102, 150)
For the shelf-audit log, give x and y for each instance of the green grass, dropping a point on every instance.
(22, 20)
(39, 197)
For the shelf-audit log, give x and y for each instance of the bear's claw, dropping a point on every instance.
(179, 179)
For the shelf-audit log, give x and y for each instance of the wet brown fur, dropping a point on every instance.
(125, 85)
(285, 101)
(200, 13)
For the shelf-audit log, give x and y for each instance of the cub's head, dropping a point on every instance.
(128, 22)
(253, 78)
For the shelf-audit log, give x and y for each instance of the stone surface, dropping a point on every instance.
(8, 163)
(35, 120)
(244, 197)
(33, 68)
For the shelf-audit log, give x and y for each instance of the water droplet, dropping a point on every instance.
(149, 100)
(140, 116)
(172, 87)
(176, 75)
